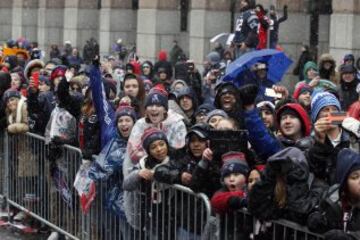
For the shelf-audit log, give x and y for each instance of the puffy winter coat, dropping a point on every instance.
(303, 191)
(147, 201)
(348, 94)
(40, 106)
(173, 127)
(322, 158)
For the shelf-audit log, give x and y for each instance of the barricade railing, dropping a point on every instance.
(176, 212)
(40, 180)
(2, 164)
(242, 225)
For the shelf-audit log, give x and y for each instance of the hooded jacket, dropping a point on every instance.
(322, 157)
(323, 83)
(328, 74)
(303, 192)
(348, 92)
(334, 207)
(264, 143)
(163, 63)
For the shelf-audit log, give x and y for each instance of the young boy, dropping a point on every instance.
(232, 197)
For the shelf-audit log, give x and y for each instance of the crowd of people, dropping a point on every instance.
(143, 123)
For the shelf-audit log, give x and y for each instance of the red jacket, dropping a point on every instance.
(220, 200)
(263, 26)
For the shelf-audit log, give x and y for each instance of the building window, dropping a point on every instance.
(184, 13)
(135, 4)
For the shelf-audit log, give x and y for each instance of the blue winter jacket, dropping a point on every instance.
(103, 108)
(261, 141)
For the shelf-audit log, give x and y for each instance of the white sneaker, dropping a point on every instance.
(20, 216)
(54, 236)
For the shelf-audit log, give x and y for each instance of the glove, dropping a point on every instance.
(237, 202)
(317, 222)
(248, 94)
(336, 234)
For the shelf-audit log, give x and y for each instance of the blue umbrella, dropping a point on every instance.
(238, 72)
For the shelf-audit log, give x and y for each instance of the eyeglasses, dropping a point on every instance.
(146, 66)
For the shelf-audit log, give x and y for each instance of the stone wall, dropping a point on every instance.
(156, 24)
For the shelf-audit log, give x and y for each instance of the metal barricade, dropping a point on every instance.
(2, 163)
(242, 225)
(176, 212)
(40, 182)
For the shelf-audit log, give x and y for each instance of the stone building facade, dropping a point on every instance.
(154, 24)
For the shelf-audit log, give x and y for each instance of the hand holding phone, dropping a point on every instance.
(35, 80)
(269, 92)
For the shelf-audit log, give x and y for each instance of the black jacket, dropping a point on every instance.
(91, 134)
(348, 94)
(330, 214)
(322, 158)
(40, 106)
(303, 190)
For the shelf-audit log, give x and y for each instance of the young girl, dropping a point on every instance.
(153, 197)
(339, 212)
(157, 115)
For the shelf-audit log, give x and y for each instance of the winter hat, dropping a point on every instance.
(147, 85)
(308, 65)
(213, 58)
(298, 111)
(321, 100)
(216, 112)
(58, 71)
(44, 79)
(223, 88)
(150, 135)
(157, 96)
(204, 108)
(347, 162)
(172, 87)
(125, 109)
(348, 57)
(266, 105)
(9, 94)
(200, 130)
(300, 89)
(162, 56)
(347, 69)
(32, 64)
(187, 91)
(234, 162)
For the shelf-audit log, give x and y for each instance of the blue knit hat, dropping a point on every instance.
(125, 110)
(234, 162)
(157, 97)
(321, 100)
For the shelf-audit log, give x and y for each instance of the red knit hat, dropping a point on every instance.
(301, 88)
(301, 113)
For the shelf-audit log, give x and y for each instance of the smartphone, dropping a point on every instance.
(269, 92)
(35, 77)
(337, 118)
